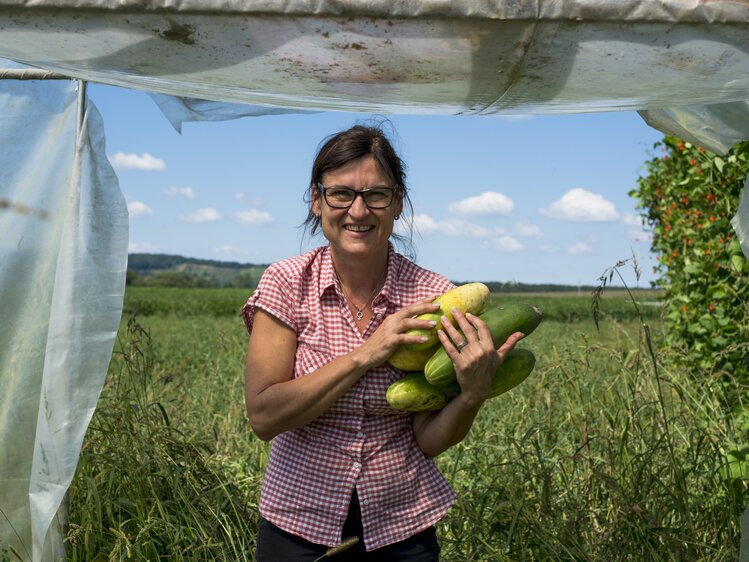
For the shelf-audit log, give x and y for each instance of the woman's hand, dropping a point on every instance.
(390, 335)
(471, 349)
(472, 352)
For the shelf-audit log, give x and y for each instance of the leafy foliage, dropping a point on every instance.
(688, 198)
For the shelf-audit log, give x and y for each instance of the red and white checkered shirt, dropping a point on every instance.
(360, 441)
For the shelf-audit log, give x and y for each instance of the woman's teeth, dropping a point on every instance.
(357, 228)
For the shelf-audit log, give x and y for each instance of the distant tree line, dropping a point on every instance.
(144, 262)
(515, 287)
(161, 270)
(170, 278)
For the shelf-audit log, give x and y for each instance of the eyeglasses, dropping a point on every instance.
(341, 197)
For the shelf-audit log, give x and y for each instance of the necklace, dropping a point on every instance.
(359, 311)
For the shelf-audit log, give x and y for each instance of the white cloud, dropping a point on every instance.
(138, 209)
(462, 229)
(546, 248)
(582, 206)
(639, 232)
(524, 228)
(143, 161)
(144, 248)
(632, 220)
(242, 197)
(424, 224)
(503, 244)
(208, 214)
(579, 249)
(253, 217)
(455, 228)
(488, 203)
(186, 192)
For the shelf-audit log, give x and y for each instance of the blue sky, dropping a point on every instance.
(537, 199)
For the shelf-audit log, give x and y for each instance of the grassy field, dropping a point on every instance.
(605, 453)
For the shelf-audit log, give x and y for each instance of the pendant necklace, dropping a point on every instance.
(359, 311)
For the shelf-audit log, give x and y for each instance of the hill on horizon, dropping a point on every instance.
(172, 270)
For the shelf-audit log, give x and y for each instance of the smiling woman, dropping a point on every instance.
(345, 467)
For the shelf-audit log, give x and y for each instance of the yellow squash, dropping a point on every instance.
(471, 297)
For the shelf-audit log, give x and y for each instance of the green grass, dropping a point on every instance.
(598, 455)
(564, 307)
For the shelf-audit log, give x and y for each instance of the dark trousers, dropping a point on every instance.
(276, 545)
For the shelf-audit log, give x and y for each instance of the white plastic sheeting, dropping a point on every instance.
(178, 110)
(447, 64)
(63, 250)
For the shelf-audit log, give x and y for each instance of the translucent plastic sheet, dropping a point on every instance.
(63, 250)
(178, 110)
(447, 62)
(740, 222)
(715, 127)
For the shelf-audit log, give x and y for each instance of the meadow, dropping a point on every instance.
(606, 452)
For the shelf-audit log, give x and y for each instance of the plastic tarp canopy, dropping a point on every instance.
(683, 64)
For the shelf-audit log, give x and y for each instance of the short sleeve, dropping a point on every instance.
(275, 295)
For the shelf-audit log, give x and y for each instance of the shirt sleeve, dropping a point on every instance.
(275, 295)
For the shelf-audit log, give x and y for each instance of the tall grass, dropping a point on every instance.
(605, 452)
(146, 489)
(590, 460)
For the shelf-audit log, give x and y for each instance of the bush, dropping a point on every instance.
(688, 198)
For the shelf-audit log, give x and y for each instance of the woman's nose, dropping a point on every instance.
(358, 208)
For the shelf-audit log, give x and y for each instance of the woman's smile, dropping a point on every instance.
(359, 228)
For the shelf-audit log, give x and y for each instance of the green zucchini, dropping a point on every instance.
(413, 393)
(502, 321)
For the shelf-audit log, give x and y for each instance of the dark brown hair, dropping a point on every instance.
(339, 149)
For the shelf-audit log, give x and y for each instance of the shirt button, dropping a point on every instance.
(360, 435)
(365, 502)
(357, 466)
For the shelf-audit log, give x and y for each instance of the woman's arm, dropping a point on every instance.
(475, 365)
(277, 402)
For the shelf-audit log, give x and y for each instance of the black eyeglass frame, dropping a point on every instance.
(357, 193)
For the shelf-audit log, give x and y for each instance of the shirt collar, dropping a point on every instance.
(327, 273)
(389, 291)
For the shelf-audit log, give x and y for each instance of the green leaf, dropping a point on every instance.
(719, 163)
(738, 263)
(693, 269)
(717, 292)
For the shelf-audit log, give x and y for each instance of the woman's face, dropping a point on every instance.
(358, 230)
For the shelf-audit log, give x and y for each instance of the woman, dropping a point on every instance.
(343, 463)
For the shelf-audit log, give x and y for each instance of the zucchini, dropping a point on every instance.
(413, 393)
(471, 297)
(503, 321)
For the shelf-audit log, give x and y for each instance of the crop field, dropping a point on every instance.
(606, 452)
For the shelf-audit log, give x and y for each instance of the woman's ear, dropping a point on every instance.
(316, 210)
(398, 208)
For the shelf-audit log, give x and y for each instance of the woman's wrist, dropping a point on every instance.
(470, 401)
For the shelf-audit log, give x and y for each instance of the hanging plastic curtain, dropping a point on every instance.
(63, 250)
